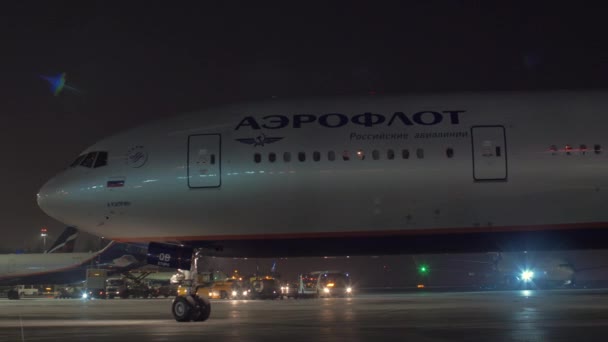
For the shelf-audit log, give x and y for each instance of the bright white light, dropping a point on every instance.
(234, 293)
(244, 293)
(84, 295)
(527, 275)
(349, 290)
(326, 290)
(526, 293)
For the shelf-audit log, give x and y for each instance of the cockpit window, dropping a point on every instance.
(89, 159)
(102, 159)
(78, 160)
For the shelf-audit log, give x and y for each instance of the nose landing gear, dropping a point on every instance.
(191, 307)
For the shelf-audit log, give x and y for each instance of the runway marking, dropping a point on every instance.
(78, 323)
(22, 332)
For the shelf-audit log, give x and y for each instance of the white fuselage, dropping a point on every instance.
(24, 266)
(518, 162)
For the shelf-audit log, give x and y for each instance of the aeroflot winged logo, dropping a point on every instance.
(136, 156)
(259, 141)
(335, 120)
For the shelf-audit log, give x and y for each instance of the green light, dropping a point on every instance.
(423, 269)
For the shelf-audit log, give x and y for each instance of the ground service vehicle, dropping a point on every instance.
(264, 288)
(27, 290)
(164, 289)
(95, 283)
(307, 285)
(69, 292)
(116, 287)
(325, 284)
(229, 288)
(126, 287)
(334, 284)
(289, 290)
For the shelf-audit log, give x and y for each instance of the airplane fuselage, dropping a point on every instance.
(43, 268)
(378, 174)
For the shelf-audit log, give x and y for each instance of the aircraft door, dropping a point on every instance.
(489, 153)
(204, 161)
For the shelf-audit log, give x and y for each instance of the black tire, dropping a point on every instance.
(201, 311)
(12, 294)
(181, 309)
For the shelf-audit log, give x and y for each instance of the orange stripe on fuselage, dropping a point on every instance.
(363, 234)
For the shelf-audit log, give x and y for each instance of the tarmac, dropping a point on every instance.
(534, 315)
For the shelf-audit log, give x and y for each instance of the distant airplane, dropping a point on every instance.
(64, 267)
(65, 242)
(469, 172)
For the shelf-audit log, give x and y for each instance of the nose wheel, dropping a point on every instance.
(191, 308)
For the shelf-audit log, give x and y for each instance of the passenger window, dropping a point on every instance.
(449, 152)
(597, 149)
(331, 155)
(89, 160)
(405, 154)
(287, 157)
(78, 160)
(272, 157)
(375, 154)
(360, 154)
(257, 157)
(390, 154)
(345, 155)
(102, 159)
(302, 156)
(316, 156)
(420, 153)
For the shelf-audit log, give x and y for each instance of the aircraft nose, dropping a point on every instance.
(50, 198)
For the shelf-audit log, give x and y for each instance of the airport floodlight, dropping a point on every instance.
(527, 275)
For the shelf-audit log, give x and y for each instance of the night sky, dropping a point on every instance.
(137, 61)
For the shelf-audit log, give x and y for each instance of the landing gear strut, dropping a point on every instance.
(191, 307)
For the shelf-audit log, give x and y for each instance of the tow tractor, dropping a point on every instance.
(265, 287)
